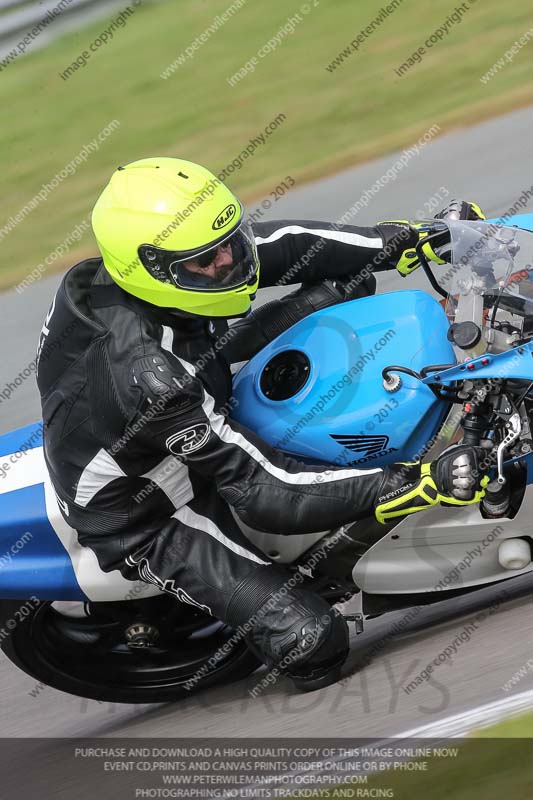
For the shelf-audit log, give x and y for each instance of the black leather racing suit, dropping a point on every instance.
(146, 463)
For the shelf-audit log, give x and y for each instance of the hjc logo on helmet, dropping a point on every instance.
(224, 217)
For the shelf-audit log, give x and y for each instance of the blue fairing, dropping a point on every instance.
(516, 363)
(524, 221)
(32, 559)
(342, 395)
(343, 414)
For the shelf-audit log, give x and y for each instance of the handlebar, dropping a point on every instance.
(437, 230)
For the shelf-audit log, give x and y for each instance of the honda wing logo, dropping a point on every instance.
(189, 439)
(369, 447)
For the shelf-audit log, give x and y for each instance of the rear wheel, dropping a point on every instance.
(152, 651)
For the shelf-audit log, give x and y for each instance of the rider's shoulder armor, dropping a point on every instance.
(164, 386)
(102, 364)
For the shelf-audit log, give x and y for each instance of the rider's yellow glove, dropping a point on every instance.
(456, 478)
(401, 238)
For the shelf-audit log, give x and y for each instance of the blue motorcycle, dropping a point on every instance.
(390, 378)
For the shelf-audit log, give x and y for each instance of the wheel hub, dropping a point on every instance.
(141, 635)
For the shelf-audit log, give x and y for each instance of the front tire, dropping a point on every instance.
(89, 656)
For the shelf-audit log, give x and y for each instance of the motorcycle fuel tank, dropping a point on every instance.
(317, 390)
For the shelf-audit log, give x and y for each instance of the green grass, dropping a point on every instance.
(334, 120)
(520, 727)
(494, 764)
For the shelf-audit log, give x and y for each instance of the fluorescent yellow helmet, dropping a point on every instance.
(173, 234)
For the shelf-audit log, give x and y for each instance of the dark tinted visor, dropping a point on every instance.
(227, 264)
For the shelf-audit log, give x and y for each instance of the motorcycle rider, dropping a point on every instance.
(135, 398)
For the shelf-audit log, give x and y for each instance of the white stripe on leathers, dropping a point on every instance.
(97, 474)
(185, 514)
(172, 477)
(229, 436)
(189, 517)
(337, 236)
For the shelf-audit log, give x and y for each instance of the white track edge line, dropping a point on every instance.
(458, 725)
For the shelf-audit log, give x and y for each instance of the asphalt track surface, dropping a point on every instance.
(21, 21)
(491, 164)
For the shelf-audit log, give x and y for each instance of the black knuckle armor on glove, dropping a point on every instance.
(402, 238)
(458, 471)
(461, 209)
(457, 477)
(398, 236)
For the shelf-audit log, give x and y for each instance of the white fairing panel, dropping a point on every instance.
(280, 548)
(442, 548)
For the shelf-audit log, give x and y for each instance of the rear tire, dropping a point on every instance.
(89, 656)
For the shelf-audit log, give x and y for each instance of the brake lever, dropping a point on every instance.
(515, 428)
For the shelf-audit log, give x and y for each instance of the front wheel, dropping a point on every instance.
(152, 651)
